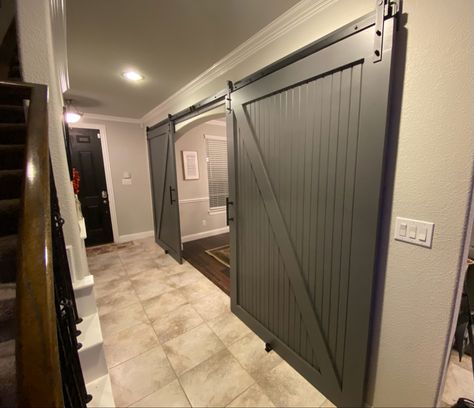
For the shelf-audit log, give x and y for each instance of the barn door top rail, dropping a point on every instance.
(196, 109)
(384, 9)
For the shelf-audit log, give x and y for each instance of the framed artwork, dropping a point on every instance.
(190, 165)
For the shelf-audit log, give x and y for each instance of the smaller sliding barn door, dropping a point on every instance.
(164, 189)
(306, 155)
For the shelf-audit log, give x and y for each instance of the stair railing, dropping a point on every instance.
(48, 368)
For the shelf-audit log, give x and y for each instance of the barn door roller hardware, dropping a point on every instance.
(383, 8)
(228, 100)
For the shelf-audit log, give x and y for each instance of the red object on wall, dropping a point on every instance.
(76, 180)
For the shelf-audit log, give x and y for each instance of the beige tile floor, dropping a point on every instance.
(171, 341)
(459, 380)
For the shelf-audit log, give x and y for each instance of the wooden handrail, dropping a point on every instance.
(37, 355)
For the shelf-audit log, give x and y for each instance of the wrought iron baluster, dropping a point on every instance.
(74, 388)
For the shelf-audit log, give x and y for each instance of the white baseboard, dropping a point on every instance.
(205, 234)
(137, 235)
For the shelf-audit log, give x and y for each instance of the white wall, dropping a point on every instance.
(194, 194)
(432, 172)
(430, 169)
(127, 152)
(38, 64)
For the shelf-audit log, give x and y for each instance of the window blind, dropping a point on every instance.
(217, 171)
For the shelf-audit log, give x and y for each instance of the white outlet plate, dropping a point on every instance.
(414, 231)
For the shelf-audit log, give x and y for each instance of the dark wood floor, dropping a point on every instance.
(194, 253)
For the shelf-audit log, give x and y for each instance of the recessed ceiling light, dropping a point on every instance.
(132, 75)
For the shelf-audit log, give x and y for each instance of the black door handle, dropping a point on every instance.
(227, 203)
(171, 195)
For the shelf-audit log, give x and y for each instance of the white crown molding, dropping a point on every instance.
(292, 18)
(95, 116)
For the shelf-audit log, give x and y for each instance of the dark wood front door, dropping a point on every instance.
(87, 159)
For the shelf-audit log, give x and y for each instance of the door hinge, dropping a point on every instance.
(383, 8)
(98, 135)
(228, 100)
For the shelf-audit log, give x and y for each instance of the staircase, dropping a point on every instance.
(12, 147)
(39, 361)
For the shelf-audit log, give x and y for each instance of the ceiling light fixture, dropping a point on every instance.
(71, 113)
(132, 76)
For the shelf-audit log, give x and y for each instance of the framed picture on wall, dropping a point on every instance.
(190, 165)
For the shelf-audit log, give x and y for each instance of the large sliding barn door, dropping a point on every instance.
(164, 189)
(306, 155)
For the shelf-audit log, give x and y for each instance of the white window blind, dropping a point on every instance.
(217, 171)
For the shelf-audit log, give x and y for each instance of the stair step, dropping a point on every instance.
(12, 133)
(7, 301)
(14, 73)
(11, 156)
(10, 183)
(13, 95)
(8, 251)
(9, 215)
(7, 374)
(7, 311)
(12, 113)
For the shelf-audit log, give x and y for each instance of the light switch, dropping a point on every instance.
(422, 234)
(414, 231)
(403, 229)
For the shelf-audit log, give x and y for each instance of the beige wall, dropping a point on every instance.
(38, 63)
(127, 151)
(432, 172)
(430, 168)
(194, 214)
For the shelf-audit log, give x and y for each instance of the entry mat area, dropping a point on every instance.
(221, 254)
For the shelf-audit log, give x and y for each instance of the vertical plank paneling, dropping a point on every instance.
(312, 175)
(352, 144)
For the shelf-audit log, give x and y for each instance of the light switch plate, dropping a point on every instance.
(419, 232)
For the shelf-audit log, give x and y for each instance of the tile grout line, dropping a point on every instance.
(205, 321)
(174, 371)
(159, 344)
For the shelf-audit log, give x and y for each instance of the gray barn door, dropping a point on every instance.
(306, 153)
(164, 189)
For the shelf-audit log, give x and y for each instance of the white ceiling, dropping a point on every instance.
(169, 41)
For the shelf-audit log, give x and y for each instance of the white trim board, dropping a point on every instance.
(293, 17)
(216, 122)
(107, 169)
(110, 118)
(205, 234)
(136, 235)
(212, 137)
(193, 200)
(58, 31)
